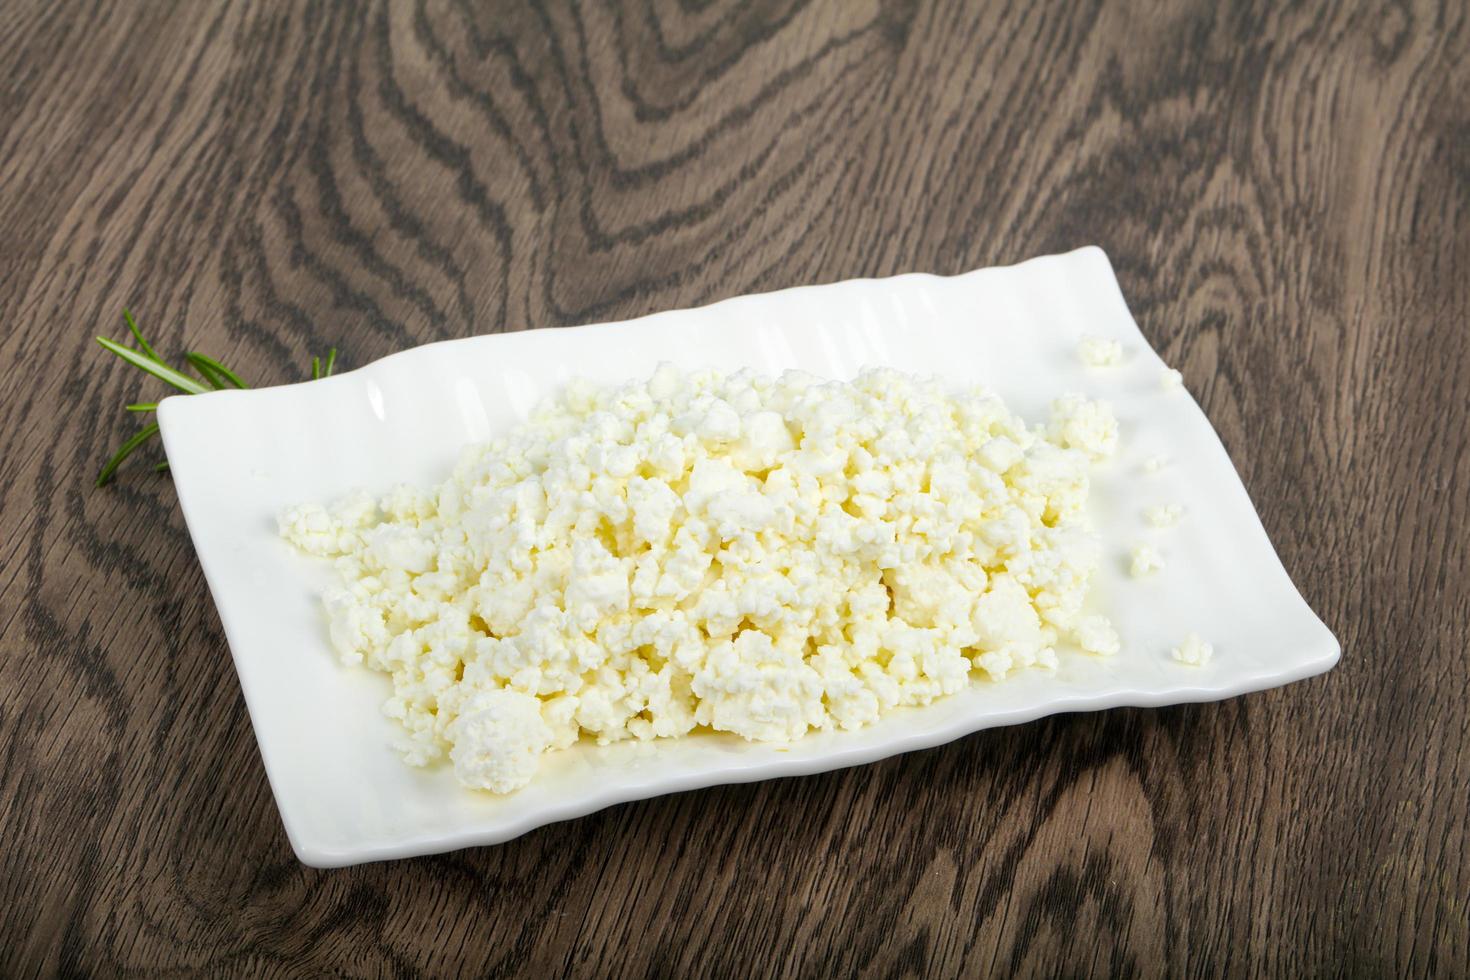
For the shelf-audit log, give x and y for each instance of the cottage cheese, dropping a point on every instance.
(1098, 352)
(1194, 651)
(1095, 634)
(738, 553)
(1171, 379)
(1144, 559)
(1163, 515)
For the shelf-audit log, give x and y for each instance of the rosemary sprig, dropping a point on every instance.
(138, 336)
(214, 372)
(138, 438)
(155, 367)
(216, 376)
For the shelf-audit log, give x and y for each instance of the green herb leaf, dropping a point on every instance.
(214, 372)
(140, 437)
(143, 407)
(138, 336)
(331, 362)
(214, 381)
(158, 369)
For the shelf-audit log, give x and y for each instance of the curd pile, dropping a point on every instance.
(738, 553)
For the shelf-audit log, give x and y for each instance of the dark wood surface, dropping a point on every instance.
(1285, 194)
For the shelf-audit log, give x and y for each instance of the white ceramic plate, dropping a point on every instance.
(239, 457)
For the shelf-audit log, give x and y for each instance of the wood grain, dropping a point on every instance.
(1285, 190)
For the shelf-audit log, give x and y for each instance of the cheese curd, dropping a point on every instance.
(1193, 652)
(1099, 352)
(1163, 515)
(737, 553)
(1095, 634)
(1144, 559)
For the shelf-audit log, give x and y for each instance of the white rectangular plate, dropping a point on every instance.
(240, 457)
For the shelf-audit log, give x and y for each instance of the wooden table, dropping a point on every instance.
(1286, 195)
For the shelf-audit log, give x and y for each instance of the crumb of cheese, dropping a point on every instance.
(1171, 379)
(1193, 651)
(498, 739)
(756, 555)
(1163, 515)
(1098, 352)
(1155, 463)
(1095, 634)
(1080, 423)
(1145, 560)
